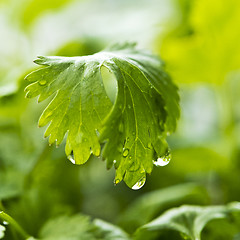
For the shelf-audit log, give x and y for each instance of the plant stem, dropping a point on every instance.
(14, 224)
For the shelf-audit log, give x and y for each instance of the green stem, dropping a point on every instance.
(14, 224)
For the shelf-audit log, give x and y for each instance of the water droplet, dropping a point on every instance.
(42, 82)
(125, 152)
(130, 157)
(114, 161)
(116, 181)
(163, 161)
(71, 158)
(139, 184)
(5, 222)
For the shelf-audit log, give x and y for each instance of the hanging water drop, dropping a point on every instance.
(5, 223)
(116, 181)
(163, 161)
(139, 184)
(125, 152)
(114, 161)
(71, 158)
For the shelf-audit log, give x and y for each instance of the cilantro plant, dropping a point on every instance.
(119, 105)
(131, 129)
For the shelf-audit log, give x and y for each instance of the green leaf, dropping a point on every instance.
(79, 106)
(146, 207)
(134, 129)
(109, 231)
(190, 220)
(68, 227)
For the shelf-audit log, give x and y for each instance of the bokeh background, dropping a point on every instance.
(199, 43)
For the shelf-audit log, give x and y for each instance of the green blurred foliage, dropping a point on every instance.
(40, 188)
(25, 12)
(202, 45)
(191, 220)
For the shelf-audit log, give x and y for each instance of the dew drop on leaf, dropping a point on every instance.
(125, 152)
(164, 160)
(71, 158)
(42, 82)
(139, 184)
(5, 223)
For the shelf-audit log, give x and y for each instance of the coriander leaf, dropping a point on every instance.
(146, 207)
(68, 227)
(109, 231)
(79, 105)
(134, 128)
(189, 220)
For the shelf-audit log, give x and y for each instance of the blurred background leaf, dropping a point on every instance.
(190, 220)
(203, 43)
